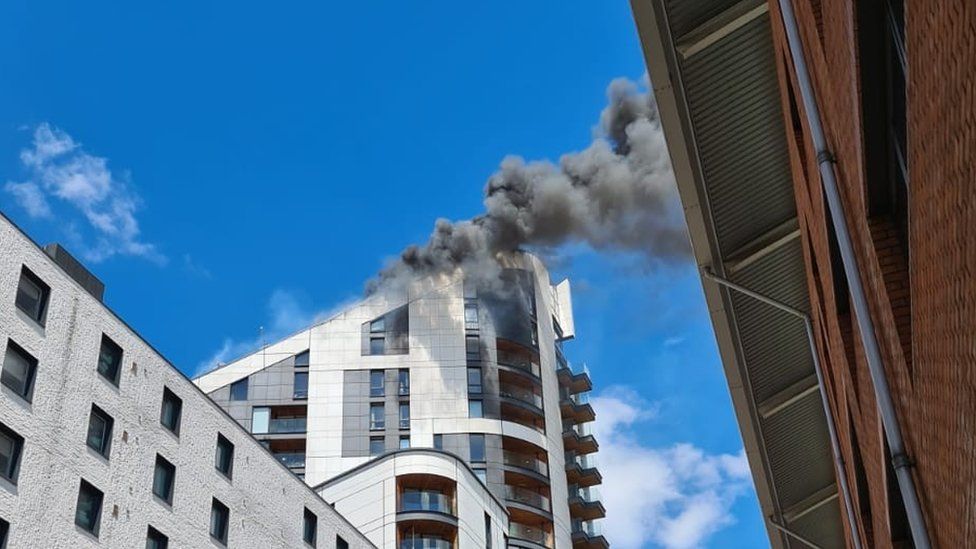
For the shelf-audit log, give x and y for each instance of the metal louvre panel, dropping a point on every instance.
(821, 525)
(733, 99)
(685, 15)
(799, 450)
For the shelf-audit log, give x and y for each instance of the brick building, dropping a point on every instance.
(897, 102)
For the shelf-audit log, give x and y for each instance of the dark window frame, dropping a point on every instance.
(170, 398)
(12, 470)
(105, 448)
(471, 446)
(154, 538)
(32, 363)
(310, 527)
(479, 387)
(400, 419)
(380, 391)
(4, 532)
(227, 447)
(381, 424)
(341, 543)
(221, 513)
(170, 486)
(235, 389)
(296, 394)
(42, 302)
(89, 490)
(113, 373)
(481, 407)
(403, 382)
(382, 445)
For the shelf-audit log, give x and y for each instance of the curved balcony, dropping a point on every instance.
(525, 462)
(523, 496)
(519, 363)
(425, 542)
(427, 501)
(520, 395)
(523, 535)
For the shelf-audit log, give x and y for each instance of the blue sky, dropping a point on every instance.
(273, 156)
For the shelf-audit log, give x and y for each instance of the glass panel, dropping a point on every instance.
(470, 315)
(475, 409)
(310, 526)
(30, 298)
(301, 385)
(477, 443)
(474, 381)
(528, 497)
(163, 480)
(404, 416)
(238, 389)
(218, 521)
(404, 442)
(439, 442)
(99, 431)
(225, 455)
(10, 444)
(156, 540)
(482, 475)
(260, 420)
(376, 446)
(88, 508)
(170, 414)
(377, 416)
(378, 326)
(472, 345)
(17, 371)
(377, 346)
(376, 383)
(109, 360)
(301, 359)
(425, 500)
(404, 382)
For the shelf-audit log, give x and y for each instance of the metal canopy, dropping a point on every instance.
(714, 74)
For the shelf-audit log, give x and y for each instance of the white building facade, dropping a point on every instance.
(103, 443)
(476, 372)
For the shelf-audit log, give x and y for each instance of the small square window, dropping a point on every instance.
(438, 442)
(404, 442)
(32, 295)
(224, 460)
(474, 381)
(219, 521)
(156, 540)
(88, 511)
(110, 360)
(310, 526)
(301, 386)
(404, 382)
(376, 446)
(404, 415)
(377, 417)
(164, 476)
(301, 360)
(171, 411)
(377, 383)
(238, 390)
(341, 543)
(100, 431)
(19, 368)
(11, 446)
(475, 409)
(477, 443)
(377, 345)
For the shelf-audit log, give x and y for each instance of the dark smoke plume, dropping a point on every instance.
(617, 194)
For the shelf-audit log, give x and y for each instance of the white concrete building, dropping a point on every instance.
(103, 443)
(476, 372)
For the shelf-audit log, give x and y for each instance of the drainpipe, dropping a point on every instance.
(831, 429)
(825, 161)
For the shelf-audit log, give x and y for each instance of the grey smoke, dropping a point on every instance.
(616, 194)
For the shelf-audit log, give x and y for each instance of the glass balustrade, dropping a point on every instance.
(520, 393)
(529, 533)
(426, 500)
(517, 361)
(528, 497)
(287, 425)
(525, 461)
(588, 527)
(424, 542)
(292, 460)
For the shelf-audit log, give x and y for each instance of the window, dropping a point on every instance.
(377, 417)
(482, 474)
(18, 370)
(110, 360)
(260, 420)
(404, 442)
(171, 411)
(377, 346)
(301, 385)
(377, 383)
(388, 334)
(439, 442)
(224, 459)
(377, 326)
(376, 446)
(471, 315)
(4, 529)
(238, 389)
(301, 360)
(341, 543)
(88, 511)
(477, 443)
(156, 540)
(403, 385)
(487, 531)
(475, 409)
(404, 415)
(11, 445)
(99, 431)
(219, 519)
(474, 381)
(310, 526)
(472, 346)
(32, 295)
(163, 479)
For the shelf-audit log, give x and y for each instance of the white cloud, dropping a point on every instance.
(674, 497)
(60, 169)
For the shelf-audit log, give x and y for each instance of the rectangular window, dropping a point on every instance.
(4, 530)
(11, 446)
(224, 459)
(100, 431)
(474, 381)
(171, 410)
(310, 526)
(260, 420)
(475, 409)
(32, 295)
(377, 326)
(404, 415)
(341, 543)
(487, 531)
(301, 360)
(301, 385)
(376, 446)
(219, 520)
(377, 383)
(110, 360)
(164, 477)
(238, 389)
(156, 540)
(471, 316)
(439, 442)
(482, 475)
(19, 368)
(377, 416)
(404, 442)
(403, 386)
(477, 443)
(377, 345)
(472, 346)
(88, 511)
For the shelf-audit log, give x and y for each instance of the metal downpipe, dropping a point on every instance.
(831, 429)
(825, 162)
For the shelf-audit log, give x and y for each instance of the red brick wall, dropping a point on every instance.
(927, 331)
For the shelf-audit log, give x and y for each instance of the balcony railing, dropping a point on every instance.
(517, 361)
(521, 394)
(529, 533)
(589, 494)
(588, 527)
(291, 460)
(287, 425)
(424, 542)
(426, 500)
(525, 461)
(528, 497)
(581, 429)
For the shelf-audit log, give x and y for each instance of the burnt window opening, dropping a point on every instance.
(388, 334)
(511, 307)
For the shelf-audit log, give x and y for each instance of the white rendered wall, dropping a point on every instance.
(266, 501)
